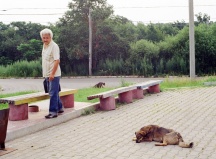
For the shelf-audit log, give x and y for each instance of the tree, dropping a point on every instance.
(73, 33)
(202, 18)
(32, 50)
(205, 49)
(141, 31)
(174, 51)
(179, 24)
(15, 34)
(154, 34)
(144, 57)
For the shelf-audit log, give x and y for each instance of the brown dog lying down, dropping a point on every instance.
(159, 134)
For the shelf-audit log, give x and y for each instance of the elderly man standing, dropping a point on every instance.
(51, 72)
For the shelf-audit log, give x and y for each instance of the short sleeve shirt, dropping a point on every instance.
(50, 53)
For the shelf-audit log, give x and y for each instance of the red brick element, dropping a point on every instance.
(138, 94)
(33, 108)
(68, 101)
(154, 89)
(18, 112)
(107, 103)
(126, 97)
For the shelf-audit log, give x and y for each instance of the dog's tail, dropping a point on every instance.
(186, 145)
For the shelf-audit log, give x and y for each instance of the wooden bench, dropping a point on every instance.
(19, 104)
(125, 94)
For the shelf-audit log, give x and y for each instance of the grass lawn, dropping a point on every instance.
(167, 84)
(178, 83)
(82, 94)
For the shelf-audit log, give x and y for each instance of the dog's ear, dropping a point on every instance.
(143, 133)
(135, 133)
(146, 129)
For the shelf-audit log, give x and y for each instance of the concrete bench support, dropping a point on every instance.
(18, 112)
(154, 89)
(138, 94)
(68, 101)
(126, 97)
(107, 103)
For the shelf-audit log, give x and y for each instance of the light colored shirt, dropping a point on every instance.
(50, 53)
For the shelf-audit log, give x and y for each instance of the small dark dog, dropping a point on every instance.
(99, 85)
(159, 134)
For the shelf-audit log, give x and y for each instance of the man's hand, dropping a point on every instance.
(51, 77)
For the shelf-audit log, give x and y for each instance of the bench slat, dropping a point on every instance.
(111, 92)
(147, 84)
(33, 97)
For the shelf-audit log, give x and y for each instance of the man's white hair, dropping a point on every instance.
(46, 31)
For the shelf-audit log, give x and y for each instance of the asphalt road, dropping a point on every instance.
(16, 85)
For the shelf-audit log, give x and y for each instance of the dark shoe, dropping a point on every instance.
(50, 116)
(61, 111)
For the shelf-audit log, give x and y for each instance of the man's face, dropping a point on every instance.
(46, 39)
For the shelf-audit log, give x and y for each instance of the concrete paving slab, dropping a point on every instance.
(37, 121)
(108, 134)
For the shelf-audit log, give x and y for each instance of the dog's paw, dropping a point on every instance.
(134, 139)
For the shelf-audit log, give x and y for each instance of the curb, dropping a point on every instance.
(48, 123)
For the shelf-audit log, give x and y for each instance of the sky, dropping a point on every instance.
(146, 11)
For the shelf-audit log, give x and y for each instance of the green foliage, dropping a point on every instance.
(185, 82)
(88, 111)
(82, 94)
(75, 25)
(154, 34)
(144, 48)
(125, 83)
(205, 48)
(15, 34)
(32, 50)
(175, 52)
(127, 31)
(174, 83)
(119, 47)
(22, 69)
(111, 67)
(143, 57)
(210, 79)
(202, 18)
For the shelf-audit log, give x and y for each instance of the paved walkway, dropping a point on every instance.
(108, 135)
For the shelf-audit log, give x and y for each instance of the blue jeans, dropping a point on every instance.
(55, 102)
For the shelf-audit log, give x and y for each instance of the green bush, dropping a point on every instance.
(111, 67)
(22, 69)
